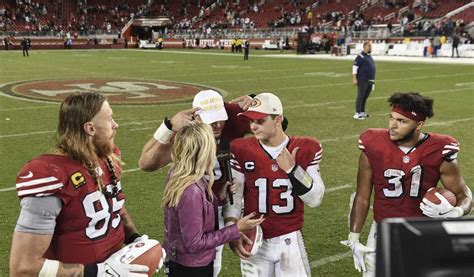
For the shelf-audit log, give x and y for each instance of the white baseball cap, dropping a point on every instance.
(262, 105)
(211, 106)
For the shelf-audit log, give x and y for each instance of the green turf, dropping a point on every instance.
(318, 100)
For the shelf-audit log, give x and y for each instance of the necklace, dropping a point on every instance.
(112, 189)
(113, 178)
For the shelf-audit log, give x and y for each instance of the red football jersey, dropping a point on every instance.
(235, 126)
(268, 190)
(88, 227)
(400, 180)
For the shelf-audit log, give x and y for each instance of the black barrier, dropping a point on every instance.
(304, 39)
(425, 247)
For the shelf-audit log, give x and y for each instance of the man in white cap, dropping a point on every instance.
(209, 107)
(276, 175)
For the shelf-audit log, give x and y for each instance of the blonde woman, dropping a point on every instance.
(191, 234)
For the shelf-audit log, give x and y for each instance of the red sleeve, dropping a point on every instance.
(363, 142)
(310, 150)
(318, 153)
(235, 127)
(39, 178)
(450, 148)
(368, 138)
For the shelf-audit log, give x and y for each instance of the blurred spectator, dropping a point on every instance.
(455, 45)
(24, 47)
(426, 46)
(6, 42)
(436, 45)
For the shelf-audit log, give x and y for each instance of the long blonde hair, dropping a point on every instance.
(72, 140)
(193, 154)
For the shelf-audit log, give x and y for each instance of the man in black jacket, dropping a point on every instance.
(246, 49)
(363, 75)
(24, 46)
(456, 41)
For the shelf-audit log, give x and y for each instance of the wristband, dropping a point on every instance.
(353, 236)
(163, 134)
(303, 177)
(300, 180)
(132, 238)
(458, 211)
(291, 170)
(230, 222)
(90, 270)
(49, 268)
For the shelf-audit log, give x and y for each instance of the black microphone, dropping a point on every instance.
(225, 155)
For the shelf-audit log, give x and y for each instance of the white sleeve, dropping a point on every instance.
(235, 210)
(314, 196)
(354, 69)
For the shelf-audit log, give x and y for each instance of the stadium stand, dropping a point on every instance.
(466, 16)
(98, 22)
(444, 7)
(67, 15)
(277, 13)
(385, 11)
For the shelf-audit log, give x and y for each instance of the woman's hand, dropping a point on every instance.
(246, 223)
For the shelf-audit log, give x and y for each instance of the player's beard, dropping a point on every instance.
(408, 137)
(104, 147)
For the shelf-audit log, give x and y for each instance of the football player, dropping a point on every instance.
(400, 164)
(72, 217)
(208, 107)
(276, 176)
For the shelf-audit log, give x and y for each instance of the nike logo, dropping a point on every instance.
(109, 273)
(444, 213)
(29, 175)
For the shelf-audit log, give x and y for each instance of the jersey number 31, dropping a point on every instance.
(396, 177)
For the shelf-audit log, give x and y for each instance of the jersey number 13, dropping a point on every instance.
(282, 185)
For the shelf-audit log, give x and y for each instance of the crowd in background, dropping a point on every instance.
(225, 15)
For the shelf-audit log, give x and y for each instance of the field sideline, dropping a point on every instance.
(318, 99)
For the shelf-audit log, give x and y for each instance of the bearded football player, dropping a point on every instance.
(72, 217)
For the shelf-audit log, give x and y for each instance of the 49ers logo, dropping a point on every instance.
(118, 91)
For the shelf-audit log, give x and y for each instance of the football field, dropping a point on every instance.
(318, 100)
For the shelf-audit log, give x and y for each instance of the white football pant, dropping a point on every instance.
(283, 256)
(370, 257)
(218, 259)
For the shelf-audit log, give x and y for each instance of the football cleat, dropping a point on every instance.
(359, 116)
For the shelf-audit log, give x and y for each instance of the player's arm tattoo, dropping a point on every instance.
(73, 270)
(128, 225)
